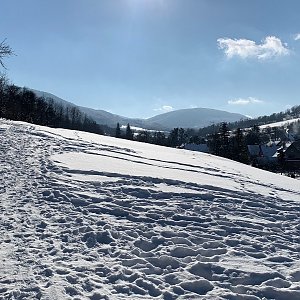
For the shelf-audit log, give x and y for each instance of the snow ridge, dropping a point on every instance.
(91, 217)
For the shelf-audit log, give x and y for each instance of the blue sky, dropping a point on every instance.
(139, 58)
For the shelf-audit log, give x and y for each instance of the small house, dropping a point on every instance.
(263, 154)
(292, 156)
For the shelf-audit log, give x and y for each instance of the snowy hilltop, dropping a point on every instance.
(86, 216)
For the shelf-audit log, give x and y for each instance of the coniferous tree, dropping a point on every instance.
(182, 136)
(224, 140)
(159, 138)
(129, 133)
(253, 136)
(144, 136)
(118, 131)
(214, 143)
(173, 138)
(239, 147)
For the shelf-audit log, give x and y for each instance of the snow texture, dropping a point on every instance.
(280, 124)
(85, 216)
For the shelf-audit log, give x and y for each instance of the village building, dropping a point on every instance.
(292, 156)
(263, 155)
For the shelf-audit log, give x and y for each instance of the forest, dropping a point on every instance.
(21, 104)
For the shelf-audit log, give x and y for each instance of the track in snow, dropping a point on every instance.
(69, 232)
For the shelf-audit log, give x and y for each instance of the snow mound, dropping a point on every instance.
(92, 217)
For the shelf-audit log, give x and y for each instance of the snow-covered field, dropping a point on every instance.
(93, 217)
(280, 124)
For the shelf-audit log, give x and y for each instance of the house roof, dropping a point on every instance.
(262, 150)
(296, 144)
(197, 147)
(293, 150)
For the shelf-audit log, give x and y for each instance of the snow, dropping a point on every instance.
(280, 124)
(85, 216)
(139, 129)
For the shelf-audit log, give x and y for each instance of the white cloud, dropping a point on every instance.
(271, 46)
(245, 101)
(164, 108)
(297, 37)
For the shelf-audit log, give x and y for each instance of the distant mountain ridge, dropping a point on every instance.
(195, 117)
(104, 117)
(185, 118)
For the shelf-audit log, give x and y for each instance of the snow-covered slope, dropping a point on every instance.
(280, 124)
(93, 217)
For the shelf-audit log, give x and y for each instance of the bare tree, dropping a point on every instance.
(5, 51)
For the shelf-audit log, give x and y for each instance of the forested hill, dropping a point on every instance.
(21, 104)
(291, 113)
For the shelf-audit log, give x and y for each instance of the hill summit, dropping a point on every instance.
(195, 117)
(185, 118)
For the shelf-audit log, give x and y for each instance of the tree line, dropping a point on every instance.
(223, 141)
(293, 112)
(145, 136)
(174, 138)
(21, 104)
